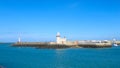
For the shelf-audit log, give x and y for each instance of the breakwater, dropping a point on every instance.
(117, 42)
(94, 46)
(40, 45)
(59, 46)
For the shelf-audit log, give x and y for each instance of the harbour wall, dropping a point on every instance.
(117, 42)
(58, 46)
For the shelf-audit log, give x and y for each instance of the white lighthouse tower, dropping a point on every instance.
(58, 38)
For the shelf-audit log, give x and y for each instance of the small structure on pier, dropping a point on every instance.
(19, 40)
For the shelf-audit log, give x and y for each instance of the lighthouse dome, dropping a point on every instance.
(58, 34)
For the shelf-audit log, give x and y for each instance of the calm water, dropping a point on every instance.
(14, 57)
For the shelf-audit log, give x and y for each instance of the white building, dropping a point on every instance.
(60, 40)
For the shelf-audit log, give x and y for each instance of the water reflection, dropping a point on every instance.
(60, 51)
(60, 58)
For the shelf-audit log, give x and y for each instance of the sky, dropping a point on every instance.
(40, 20)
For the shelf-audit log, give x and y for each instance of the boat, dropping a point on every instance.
(115, 44)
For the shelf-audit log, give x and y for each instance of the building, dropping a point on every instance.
(60, 40)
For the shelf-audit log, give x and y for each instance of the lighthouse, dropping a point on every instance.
(58, 38)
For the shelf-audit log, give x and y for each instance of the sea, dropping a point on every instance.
(28, 57)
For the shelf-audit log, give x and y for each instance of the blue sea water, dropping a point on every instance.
(15, 57)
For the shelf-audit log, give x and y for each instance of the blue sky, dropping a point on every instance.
(40, 20)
